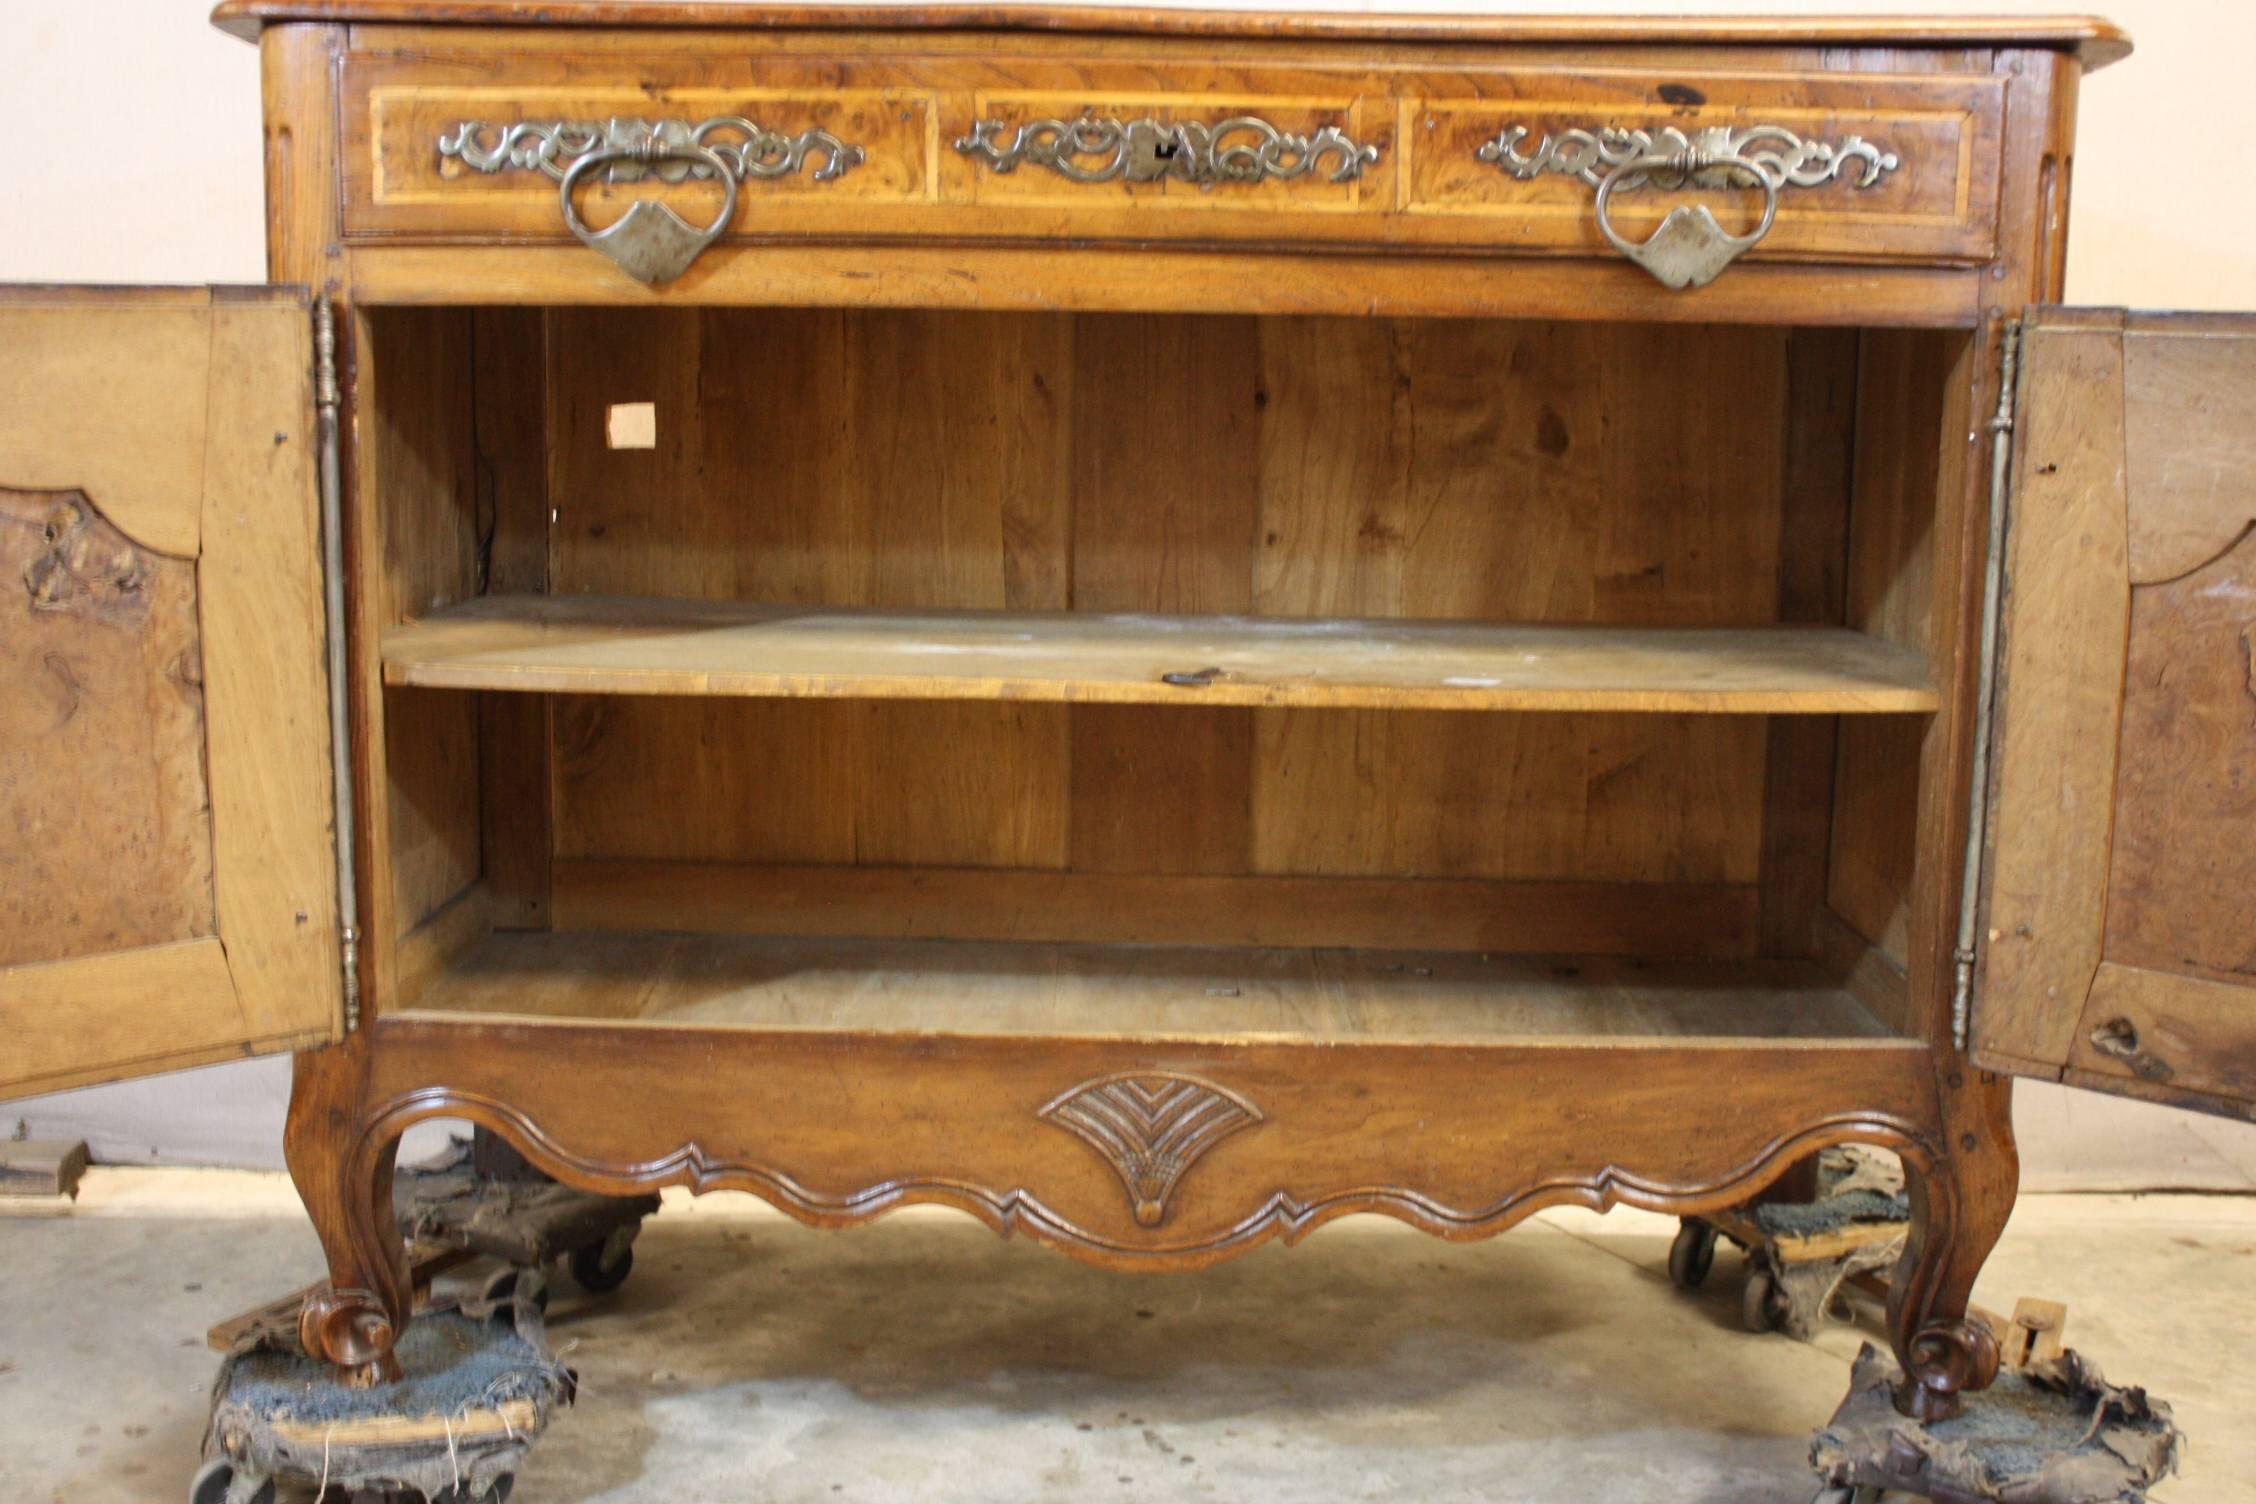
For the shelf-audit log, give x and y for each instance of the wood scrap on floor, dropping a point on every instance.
(41, 1167)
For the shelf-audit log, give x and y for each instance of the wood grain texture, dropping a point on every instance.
(953, 1121)
(166, 729)
(424, 480)
(102, 780)
(1619, 456)
(105, 394)
(2059, 697)
(1799, 762)
(1908, 414)
(627, 645)
(265, 678)
(1154, 903)
(2189, 434)
(2096, 41)
(906, 106)
(2185, 1038)
(96, 1018)
(515, 780)
(1163, 992)
(1301, 467)
(2181, 875)
(2137, 804)
(1141, 279)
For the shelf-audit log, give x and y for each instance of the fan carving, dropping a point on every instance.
(1151, 1128)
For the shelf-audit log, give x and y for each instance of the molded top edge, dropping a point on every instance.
(2098, 42)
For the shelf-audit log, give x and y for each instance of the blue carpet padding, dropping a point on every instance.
(450, 1361)
(1801, 1219)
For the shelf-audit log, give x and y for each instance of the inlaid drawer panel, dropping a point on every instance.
(1888, 167)
(1031, 139)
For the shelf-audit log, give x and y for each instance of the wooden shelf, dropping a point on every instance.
(613, 645)
(969, 987)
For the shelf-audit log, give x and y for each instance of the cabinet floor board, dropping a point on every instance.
(1287, 993)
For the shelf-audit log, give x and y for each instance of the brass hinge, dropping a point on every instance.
(1985, 691)
(327, 404)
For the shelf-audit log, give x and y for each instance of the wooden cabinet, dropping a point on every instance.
(1156, 627)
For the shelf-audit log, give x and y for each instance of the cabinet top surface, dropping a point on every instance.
(2098, 42)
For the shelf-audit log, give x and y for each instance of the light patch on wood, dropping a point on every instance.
(632, 425)
(103, 794)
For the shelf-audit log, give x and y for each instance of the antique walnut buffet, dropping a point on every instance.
(1173, 626)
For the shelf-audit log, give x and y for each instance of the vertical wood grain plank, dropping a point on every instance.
(1166, 424)
(509, 351)
(1813, 560)
(2060, 695)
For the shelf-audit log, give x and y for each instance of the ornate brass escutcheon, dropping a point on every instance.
(1690, 249)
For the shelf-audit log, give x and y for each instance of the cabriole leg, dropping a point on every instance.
(1959, 1206)
(354, 1320)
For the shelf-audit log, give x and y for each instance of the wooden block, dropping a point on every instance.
(2036, 1332)
(41, 1167)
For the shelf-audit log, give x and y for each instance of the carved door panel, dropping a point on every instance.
(2119, 935)
(167, 873)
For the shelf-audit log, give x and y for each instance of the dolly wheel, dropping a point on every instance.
(603, 1267)
(1758, 1302)
(1845, 1495)
(1692, 1255)
(217, 1482)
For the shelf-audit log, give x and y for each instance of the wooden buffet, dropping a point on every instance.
(1156, 626)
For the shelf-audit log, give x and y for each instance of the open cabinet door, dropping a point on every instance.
(2119, 935)
(167, 874)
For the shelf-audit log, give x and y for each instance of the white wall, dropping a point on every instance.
(135, 158)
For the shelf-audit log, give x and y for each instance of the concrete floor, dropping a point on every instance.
(924, 1359)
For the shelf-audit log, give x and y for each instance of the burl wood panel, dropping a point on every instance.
(1283, 467)
(102, 786)
(906, 103)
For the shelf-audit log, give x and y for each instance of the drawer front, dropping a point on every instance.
(459, 141)
(1889, 168)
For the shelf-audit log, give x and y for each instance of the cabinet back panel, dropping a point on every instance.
(1278, 466)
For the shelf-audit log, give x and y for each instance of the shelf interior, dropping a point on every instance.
(627, 645)
(1299, 994)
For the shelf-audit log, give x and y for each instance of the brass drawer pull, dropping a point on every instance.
(1241, 149)
(650, 242)
(1690, 249)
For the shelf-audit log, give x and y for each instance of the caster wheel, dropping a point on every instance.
(1758, 1302)
(603, 1267)
(217, 1482)
(1692, 1255)
(517, 1284)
